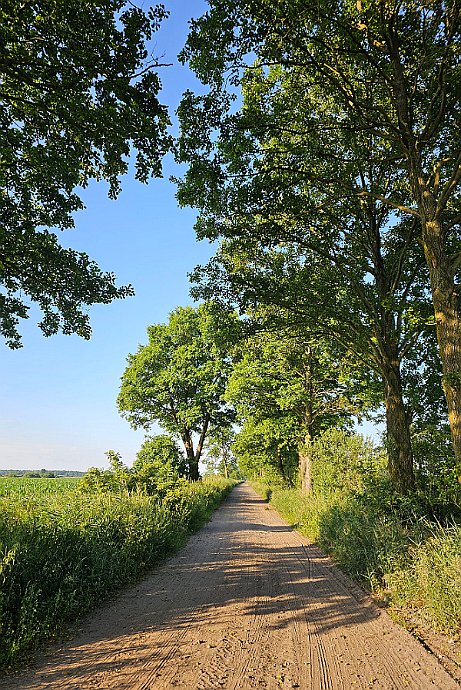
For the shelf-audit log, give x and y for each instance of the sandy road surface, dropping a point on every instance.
(248, 603)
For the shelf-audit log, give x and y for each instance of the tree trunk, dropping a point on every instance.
(225, 463)
(388, 337)
(306, 422)
(279, 457)
(445, 299)
(194, 474)
(201, 441)
(192, 463)
(441, 270)
(305, 460)
(399, 451)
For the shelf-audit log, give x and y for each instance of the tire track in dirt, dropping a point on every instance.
(248, 603)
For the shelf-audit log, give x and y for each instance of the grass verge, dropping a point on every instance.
(413, 562)
(60, 554)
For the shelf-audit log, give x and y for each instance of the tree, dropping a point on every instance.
(381, 322)
(77, 90)
(293, 386)
(159, 460)
(345, 462)
(262, 452)
(320, 138)
(219, 456)
(178, 378)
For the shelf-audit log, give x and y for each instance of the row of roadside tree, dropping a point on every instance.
(252, 395)
(324, 156)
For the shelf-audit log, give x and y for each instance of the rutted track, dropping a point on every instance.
(248, 603)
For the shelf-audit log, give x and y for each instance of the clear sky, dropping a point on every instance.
(58, 401)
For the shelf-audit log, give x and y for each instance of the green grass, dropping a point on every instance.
(417, 562)
(430, 582)
(22, 487)
(62, 551)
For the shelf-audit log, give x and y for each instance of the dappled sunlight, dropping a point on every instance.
(246, 593)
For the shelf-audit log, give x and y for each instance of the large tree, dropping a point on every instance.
(178, 379)
(219, 456)
(352, 107)
(379, 319)
(292, 386)
(78, 90)
(265, 450)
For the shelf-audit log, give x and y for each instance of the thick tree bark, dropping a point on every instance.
(194, 474)
(445, 298)
(445, 292)
(192, 463)
(431, 200)
(399, 451)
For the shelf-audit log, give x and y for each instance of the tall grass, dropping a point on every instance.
(60, 554)
(430, 582)
(386, 543)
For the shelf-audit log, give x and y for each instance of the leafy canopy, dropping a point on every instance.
(178, 379)
(77, 92)
(158, 462)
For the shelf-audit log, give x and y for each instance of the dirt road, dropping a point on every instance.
(248, 603)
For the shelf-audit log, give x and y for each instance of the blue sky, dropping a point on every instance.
(58, 408)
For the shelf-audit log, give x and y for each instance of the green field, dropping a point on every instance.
(23, 487)
(63, 550)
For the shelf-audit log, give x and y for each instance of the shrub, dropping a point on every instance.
(345, 462)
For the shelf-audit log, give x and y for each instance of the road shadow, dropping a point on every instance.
(237, 558)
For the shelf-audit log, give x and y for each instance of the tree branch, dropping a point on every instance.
(389, 202)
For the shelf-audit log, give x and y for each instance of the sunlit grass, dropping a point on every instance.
(416, 562)
(61, 552)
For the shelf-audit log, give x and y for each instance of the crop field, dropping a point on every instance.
(62, 550)
(24, 487)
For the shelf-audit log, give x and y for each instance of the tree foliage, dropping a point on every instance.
(178, 379)
(264, 452)
(219, 456)
(291, 386)
(159, 461)
(346, 146)
(78, 90)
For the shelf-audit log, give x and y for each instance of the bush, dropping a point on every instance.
(345, 462)
(437, 473)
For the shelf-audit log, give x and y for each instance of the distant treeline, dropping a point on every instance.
(40, 473)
